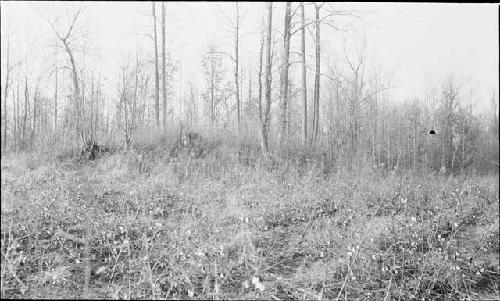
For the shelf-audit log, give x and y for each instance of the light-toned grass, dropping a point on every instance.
(237, 226)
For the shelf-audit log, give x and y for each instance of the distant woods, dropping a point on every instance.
(292, 87)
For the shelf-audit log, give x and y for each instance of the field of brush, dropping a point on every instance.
(235, 226)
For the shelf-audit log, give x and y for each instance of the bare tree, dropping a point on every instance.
(250, 102)
(316, 96)
(35, 115)
(210, 64)
(55, 92)
(357, 84)
(317, 22)
(237, 61)
(67, 40)
(284, 74)
(304, 79)
(180, 91)
(26, 106)
(235, 58)
(163, 66)
(8, 68)
(261, 54)
(217, 92)
(16, 114)
(415, 121)
(192, 107)
(128, 110)
(267, 109)
(449, 92)
(157, 80)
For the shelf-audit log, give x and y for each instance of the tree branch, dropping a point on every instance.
(224, 53)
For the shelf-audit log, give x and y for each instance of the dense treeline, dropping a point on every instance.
(340, 106)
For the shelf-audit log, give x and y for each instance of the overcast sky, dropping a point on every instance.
(414, 41)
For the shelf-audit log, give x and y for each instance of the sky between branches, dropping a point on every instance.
(417, 43)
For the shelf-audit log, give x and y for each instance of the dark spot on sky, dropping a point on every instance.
(432, 132)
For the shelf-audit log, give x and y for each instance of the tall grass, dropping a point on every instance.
(239, 225)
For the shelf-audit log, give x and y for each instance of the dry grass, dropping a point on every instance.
(235, 226)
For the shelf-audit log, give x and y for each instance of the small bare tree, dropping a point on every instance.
(127, 107)
(216, 92)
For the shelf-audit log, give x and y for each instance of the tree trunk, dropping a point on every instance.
(415, 138)
(289, 108)
(163, 68)
(449, 136)
(450, 93)
(194, 114)
(337, 109)
(388, 135)
(261, 54)
(463, 141)
(35, 108)
(92, 108)
(212, 93)
(373, 128)
(180, 92)
(284, 75)
(404, 140)
(16, 117)
(83, 102)
(76, 94)
(304, 80)
(241, 92)
(249, 105)
(97, 100)
(316, 78)
(157, 80)
(55, 98)
(380, 137)
(26, 106)
(267, 109)
(5, 94)
(236, 63)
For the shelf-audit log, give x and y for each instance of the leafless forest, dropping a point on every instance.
(283, 161)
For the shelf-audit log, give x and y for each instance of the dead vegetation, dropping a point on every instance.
(233, 225)
(189, 145)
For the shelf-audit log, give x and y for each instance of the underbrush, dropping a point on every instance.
(234, 225)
